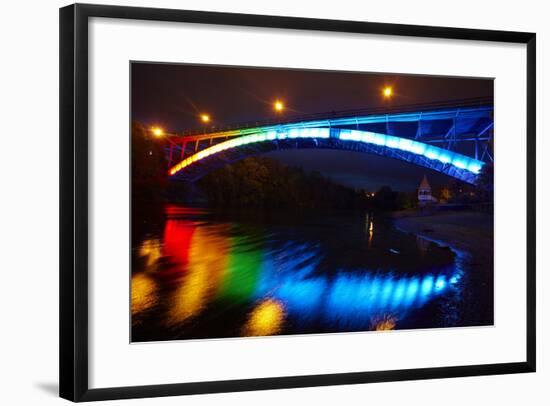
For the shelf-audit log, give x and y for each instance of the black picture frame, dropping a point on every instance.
(74, 201)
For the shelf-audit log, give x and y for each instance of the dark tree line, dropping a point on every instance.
(387, 199)
(266, 183)
(148, 166)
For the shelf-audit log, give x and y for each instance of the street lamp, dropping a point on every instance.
(387, 92)
(205, 118)
(157, 131)
(278, 106)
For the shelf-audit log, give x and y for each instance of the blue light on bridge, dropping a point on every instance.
(308, 133)
(429, 151)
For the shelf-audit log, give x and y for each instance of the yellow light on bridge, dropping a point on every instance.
(278, 106)
(205, 118)
(387, 92)
(157, 131)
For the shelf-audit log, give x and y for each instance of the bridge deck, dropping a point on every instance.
(412, 112)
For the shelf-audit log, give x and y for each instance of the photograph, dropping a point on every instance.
(273, 201)
(261, 204)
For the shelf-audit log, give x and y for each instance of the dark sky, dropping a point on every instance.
(173, 96)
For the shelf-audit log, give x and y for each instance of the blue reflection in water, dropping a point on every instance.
(286, 277)
(354, 301)
(427, 286)
(348, 299)
(411, 292)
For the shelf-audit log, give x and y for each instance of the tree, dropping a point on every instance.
(263, 182)
(148, 165)
(386, 199)
(485, 182)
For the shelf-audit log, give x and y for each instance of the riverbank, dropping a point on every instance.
(471, 232)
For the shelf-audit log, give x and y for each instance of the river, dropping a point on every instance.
(198, 273)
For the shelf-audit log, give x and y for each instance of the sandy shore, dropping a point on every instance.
(466, 231)
(470, 234)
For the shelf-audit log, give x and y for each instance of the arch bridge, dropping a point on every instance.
(452, 138)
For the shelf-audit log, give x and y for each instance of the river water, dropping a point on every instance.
(203, 274)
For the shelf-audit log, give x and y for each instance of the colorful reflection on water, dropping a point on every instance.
(266, 319)
(203, 276)
(143, 294)
(202, 261)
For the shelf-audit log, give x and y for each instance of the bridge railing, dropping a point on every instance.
(460, 103)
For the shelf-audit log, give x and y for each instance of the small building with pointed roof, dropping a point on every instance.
(425, 193)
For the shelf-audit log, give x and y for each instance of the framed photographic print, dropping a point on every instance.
(257, 202)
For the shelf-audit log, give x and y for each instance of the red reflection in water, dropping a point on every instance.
(178, 235)
(179, 211)
(198, 286)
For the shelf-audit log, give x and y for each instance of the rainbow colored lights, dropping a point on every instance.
(430, 152)
(262, 136)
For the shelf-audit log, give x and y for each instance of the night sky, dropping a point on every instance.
(173, 96)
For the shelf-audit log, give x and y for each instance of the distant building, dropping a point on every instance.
(425, 193)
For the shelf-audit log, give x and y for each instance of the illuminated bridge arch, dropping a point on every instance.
(422, 150)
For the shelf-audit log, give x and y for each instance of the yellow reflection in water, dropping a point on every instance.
(384, 323)
(266, 319)
(144, 295)
(151, 250)
(371, 232)
(369, 225)
(207, 262)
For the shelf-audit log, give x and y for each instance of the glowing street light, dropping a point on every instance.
(387, 92)
(205, 118)
(157, 131)
(278, 106)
